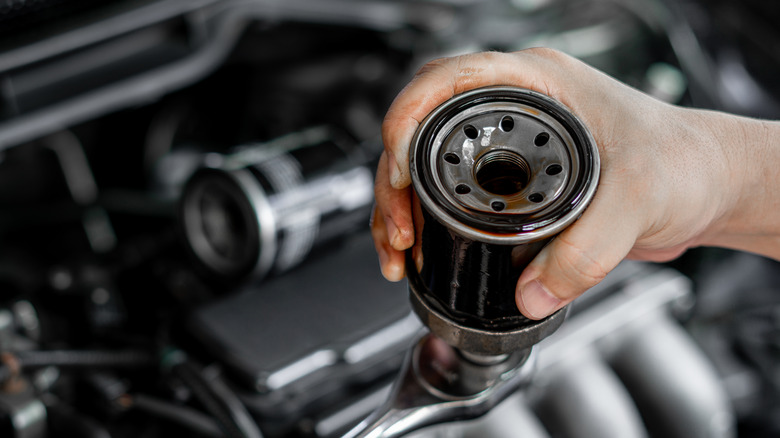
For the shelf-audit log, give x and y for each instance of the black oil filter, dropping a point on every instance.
(498, 172)
(264, 207)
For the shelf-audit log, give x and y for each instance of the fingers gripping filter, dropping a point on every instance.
(498, 172)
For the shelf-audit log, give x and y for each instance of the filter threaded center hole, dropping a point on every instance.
(502, 172)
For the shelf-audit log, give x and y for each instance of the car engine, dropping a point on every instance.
(185, 191)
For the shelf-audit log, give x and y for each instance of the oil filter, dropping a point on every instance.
(498, 172)
(264, 207)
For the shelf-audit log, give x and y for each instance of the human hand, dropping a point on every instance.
(669, 179)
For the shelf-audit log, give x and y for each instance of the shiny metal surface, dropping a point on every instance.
(453, 143)
(264, 207)
(147, 80)
(567, 407)
(23, 410)
(498, 171)
(480, 341)
(672, 381)
(438, 385)
(666, 375)
(518, 157)
(618, 361)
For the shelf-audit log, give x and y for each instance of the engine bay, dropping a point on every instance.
(140, 140)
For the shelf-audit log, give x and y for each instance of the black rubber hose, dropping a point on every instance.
(66, 421)
(236, 408)
(182, 415)
(85, 358)
(193, 379)
(219, 401)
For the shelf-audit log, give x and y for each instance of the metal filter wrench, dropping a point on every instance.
(497, 173)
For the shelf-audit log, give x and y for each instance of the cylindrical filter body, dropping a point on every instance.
(498, 172)
(263, 208)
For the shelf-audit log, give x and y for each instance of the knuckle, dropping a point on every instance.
(390, 122)
(379, 195)
(578, 267)
(546, 53)
(378, 232)
(475, 70)
(383, 198)
(463, 72)
(379, 184)
(380, 191)
(434, 66)
(466, 68)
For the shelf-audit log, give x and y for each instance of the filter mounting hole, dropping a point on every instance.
(470, 131)
(554, 169)
(541, 139)
(507, 124)
(462, 189)
(536, 197)
(451, 158)
(502, 172)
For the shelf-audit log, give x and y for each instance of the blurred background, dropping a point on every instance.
(185, 187)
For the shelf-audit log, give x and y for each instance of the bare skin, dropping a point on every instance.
(671, 178)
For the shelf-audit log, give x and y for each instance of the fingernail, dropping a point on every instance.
(537, 300)
(393, 170)
(392, 231)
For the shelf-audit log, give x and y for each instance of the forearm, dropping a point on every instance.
(751, 221)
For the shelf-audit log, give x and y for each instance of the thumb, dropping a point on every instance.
(576, 260)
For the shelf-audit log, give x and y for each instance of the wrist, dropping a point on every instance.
(749, 219)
